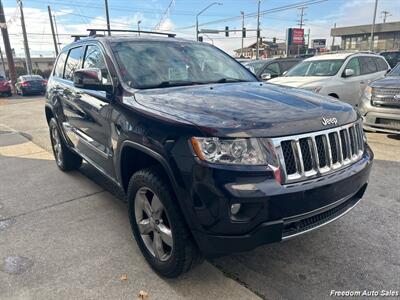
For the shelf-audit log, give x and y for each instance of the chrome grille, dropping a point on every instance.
(310, 155)
(385, 97)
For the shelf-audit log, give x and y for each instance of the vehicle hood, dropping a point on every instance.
(301, 81)
(247, 109)
(387, 82)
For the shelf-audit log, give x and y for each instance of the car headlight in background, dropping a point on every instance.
(368, 93)
(239, 151)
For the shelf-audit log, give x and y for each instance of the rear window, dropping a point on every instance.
(368, 65)
(73, 62)
(59, 69)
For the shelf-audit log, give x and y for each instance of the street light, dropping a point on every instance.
(138, 26)
(197, 17)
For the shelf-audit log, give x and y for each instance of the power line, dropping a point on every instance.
(265, 12)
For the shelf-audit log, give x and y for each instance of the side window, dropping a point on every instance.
(286, 65)
(95, 59)
(381, 64)
(73, 62)
(368, 65)
(354, 64)
(273, 69)
(59, 68)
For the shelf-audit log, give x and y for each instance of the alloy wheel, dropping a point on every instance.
(153, 224)
(56, 145)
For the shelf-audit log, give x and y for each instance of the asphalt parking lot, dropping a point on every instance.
(68, 235)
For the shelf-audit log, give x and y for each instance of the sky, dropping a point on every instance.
(179, 16)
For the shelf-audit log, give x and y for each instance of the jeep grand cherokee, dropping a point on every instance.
(212, 161)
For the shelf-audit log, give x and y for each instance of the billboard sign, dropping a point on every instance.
(319, 43)
(296, 36)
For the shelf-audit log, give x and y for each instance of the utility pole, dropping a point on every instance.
(371, 45)
(108, 17)
(7, 47)
(258, 31)
(52, 30)
(301, 24)
(2, 62)
(333, 38)
(57, 36)
(197, 17)
(138, 26)
(308, 40)
(385, 14)
(26, 45)
(242, 13)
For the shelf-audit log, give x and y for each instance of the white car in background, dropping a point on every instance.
(341, 75)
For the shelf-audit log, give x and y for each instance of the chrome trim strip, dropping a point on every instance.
(323, 224)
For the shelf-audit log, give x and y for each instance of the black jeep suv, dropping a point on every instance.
(212, 161)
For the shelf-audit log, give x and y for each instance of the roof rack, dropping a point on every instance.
(93, 32)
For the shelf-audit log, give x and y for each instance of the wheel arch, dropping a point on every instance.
(144, 157)
(334, 95)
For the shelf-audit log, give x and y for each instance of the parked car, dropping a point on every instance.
(341, 75)
(392, 57)
(380, 106)
(212, 161)
(30, 84)
(5, 86)
(270, 68)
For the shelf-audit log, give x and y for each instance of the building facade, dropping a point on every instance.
(266, 49)
(386, 37)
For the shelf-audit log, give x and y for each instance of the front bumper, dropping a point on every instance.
(277, 212)
(384, 119)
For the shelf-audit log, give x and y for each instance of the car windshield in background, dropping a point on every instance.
(395, 71)
(316, 68)
(152, 64)
(32, 77)
(255, 66)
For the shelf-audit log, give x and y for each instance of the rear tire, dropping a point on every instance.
(66, 160)
(175, 252)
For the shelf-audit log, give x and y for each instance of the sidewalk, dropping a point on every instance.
(64, 237)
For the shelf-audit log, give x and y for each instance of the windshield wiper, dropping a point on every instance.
(230, 79)
(169, 83)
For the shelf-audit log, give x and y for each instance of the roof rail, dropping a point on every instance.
(93, 32)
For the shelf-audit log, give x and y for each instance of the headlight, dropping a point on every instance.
(229, 151)
(368, 93)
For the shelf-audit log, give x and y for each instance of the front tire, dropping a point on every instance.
(158, 225)
(66, 159)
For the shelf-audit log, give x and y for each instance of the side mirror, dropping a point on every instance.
(348, 73)
(90, 79)
(266, 76)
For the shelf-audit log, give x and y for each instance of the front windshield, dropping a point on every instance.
(395, 71)
(151, 64)
(316, 68)
(255, 66)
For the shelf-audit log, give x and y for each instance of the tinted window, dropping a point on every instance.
(395, 71)
(354, 64)
(94, 59)
(272, 69)
(73, 62)
(59, 69)
(255, 66)
(368, 65)
(381, 64)
(286, 65)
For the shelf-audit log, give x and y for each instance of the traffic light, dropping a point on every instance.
(274, 40)
(244, 32)
(200, 38)
(227, 31)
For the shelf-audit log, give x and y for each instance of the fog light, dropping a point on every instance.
(235, 208)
